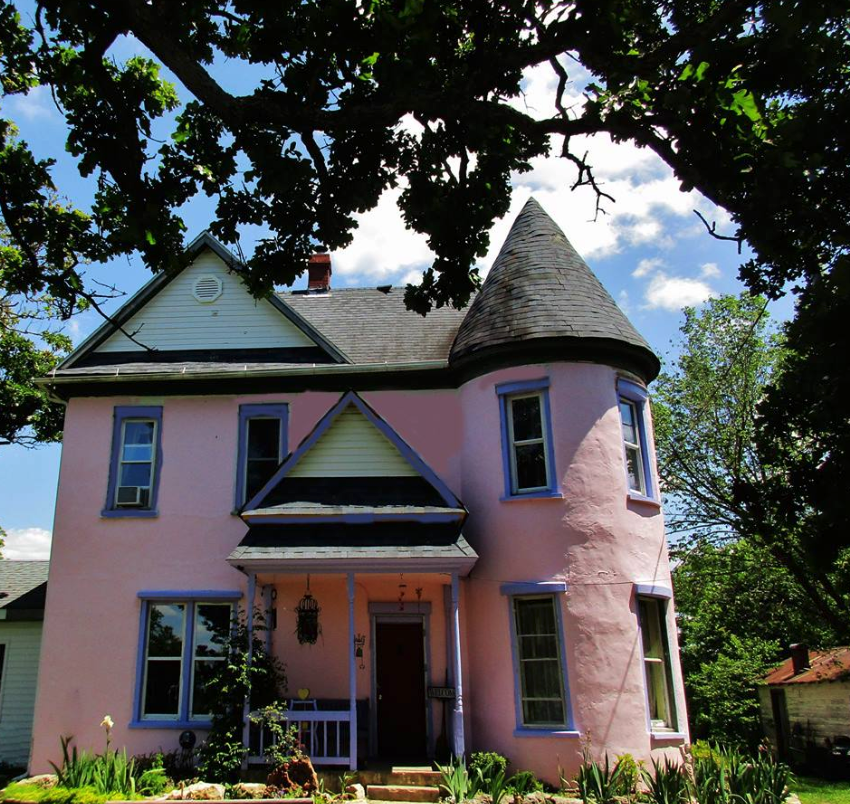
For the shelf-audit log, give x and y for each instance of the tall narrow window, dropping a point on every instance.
(631, 443)
(212, 624)
(538, 657)
(183, 644)
(135, 464)
(656, 659)
(164, 661)
(262, 447)
(527, 439)
(636, 445)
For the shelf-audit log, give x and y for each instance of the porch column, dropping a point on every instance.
(458, 741)
(352, 679)
(267, 614)
(246, 711)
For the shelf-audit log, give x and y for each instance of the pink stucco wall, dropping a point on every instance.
(593, 538)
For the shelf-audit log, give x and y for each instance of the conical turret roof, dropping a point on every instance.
(541, 301)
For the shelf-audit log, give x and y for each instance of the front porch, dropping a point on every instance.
(383, 679)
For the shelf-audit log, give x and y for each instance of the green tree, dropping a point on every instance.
(739, 598)
(738, 611)
(705, 413)
(723, 92)
(746, 100)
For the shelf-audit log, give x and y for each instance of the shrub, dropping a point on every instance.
(260, 679)
(522, 783)
(630, 774)
(488, 763)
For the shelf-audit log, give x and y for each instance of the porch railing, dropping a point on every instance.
(324, 735)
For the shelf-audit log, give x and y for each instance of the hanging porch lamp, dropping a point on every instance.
(307, 618)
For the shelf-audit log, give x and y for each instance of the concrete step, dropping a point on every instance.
(402, 792)
(400, 774)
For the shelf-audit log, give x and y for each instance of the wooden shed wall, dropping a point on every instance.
(817, 712)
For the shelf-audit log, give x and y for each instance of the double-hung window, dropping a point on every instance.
(632, 403)
(182, 643)
(262, 447)
(527, 438)
(136, 461)
(661, 700)
(540, 670)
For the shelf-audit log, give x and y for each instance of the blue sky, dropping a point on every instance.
(650, 251)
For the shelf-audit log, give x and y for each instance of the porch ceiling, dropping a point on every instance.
(339, 547)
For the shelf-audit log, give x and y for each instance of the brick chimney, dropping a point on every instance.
(319, 272)
(799, 657)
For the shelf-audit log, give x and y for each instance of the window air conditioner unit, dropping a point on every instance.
(129, 496)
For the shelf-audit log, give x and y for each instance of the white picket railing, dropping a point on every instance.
(325, 736)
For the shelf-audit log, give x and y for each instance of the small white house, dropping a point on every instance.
(23, 586)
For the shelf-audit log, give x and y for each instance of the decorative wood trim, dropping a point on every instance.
(324, 424)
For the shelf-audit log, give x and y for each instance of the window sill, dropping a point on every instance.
(170, 724)
(533, 495)
(121, 513)
(635, 496)
(676, 736)
(528, 732)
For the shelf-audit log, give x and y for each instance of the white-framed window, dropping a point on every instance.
(262, 447)
(661, 700)
(633, 405)
(183, 642)
(539, 661)
(527, 438)
(629, 417)
(135, 462)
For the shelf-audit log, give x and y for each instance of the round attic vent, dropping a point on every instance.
(207, 289)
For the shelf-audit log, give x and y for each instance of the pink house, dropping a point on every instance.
(452, 523)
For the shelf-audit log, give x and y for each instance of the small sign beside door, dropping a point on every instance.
(446, 693)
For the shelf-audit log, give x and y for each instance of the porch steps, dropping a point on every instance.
(401, 784)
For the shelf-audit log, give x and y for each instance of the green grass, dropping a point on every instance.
(820, 791)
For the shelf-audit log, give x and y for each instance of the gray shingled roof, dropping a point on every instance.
(539, 287)
(371, 326)
(17, 578)
(366, 556)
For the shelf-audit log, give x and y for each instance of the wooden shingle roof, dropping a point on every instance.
(541, 290)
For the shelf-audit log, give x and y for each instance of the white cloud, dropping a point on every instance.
(709, 270)
(647, 266)
(383, 249)
(27, 544)
(675, 292)
(36, 105)
(649, 206)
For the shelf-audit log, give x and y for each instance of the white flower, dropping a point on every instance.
(107, 723)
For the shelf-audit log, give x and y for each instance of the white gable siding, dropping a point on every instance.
(17, 689)
(353, 447)
(174, 319)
